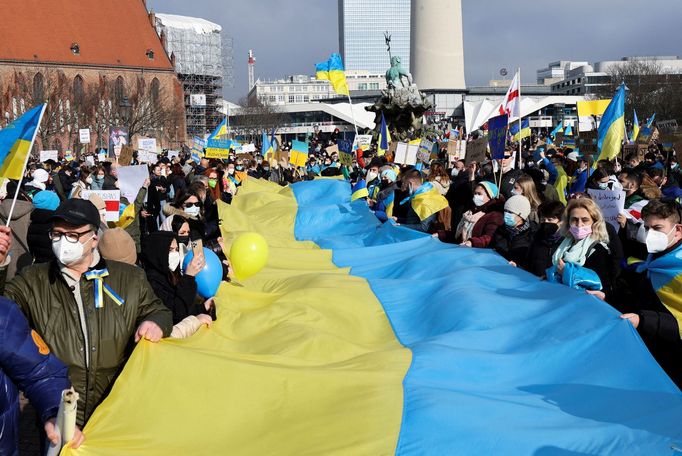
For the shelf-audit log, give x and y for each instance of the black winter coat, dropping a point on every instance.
(545, 243)
(514, 248)
(181, 297)
(37, 238)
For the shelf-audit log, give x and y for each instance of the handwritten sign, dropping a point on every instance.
(476, 151)
(84, 135)
(147, 144)
(611, 203)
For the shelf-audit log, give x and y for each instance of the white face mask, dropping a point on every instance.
(193, 211)
(371, 176)
(656, 241)
(455, 172)
(88, 180)
(66, 252)
(173, 260)
(478, 200)
(515, 192)
(603, 185)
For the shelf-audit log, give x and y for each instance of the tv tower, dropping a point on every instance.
(252, 67)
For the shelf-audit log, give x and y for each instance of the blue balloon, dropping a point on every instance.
(209, 278)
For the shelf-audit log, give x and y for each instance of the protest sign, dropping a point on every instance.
(172, 154)
(400, 153)
(345, 146)
(611, 203)
(412, 151)
(118, 137)
(90, 160)
(457, 150)
(130, 180)
(332, 149)
(587, 142)
(222, 154)
(248, 148)
(144, 156)
(346, 159)
(497, 136)
(363, 141)
(46, 155)
(112, 201)
(147, 144)
(667, 126)
(644, 136)
(84, 134)
(68, 156)
(425, 148)
(476, 151)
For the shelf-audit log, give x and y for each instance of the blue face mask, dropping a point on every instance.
(509, 219)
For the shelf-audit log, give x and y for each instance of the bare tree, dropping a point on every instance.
(650, 89)
(256, 117)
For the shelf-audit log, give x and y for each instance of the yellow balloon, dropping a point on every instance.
(248, 255)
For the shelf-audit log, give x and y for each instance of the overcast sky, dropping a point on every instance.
(290, 36)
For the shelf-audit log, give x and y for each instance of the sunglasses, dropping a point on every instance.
(192, 205)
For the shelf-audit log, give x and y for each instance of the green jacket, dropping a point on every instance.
(48, 303)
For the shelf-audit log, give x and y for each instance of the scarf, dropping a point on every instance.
(516, 230)
(665, 273)
(573, 253)
(467, 224)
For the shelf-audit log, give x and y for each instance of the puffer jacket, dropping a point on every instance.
(27, 364)
(51, 309)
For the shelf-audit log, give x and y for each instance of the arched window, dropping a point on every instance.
(38, 88)
(78, 91)
(119, 92)
(156, 87)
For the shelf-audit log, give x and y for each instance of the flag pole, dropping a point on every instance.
(23, 169)
(520, 116)
(352, 114)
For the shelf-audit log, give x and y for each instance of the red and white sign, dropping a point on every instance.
(112, 201)
(511, 105)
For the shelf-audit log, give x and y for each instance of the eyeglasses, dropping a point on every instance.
(70, 236)
(192, 205)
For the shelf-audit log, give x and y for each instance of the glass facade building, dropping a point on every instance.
(362, 24)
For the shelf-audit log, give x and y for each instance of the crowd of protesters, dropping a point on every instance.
(535, 211)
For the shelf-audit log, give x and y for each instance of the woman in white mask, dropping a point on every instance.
(189, 206)
(162, 264)
(478, 225)
(583, 259)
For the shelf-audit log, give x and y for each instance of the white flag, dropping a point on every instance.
(511, 105)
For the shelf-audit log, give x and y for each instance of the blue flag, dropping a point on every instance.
(497, 136)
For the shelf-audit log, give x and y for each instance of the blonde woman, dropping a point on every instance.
(525, 186)
(583, 259)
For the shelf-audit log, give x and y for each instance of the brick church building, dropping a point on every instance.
(98, 64)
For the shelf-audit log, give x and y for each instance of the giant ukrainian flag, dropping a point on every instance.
(612, 127)
(367, 339)
(15, 143)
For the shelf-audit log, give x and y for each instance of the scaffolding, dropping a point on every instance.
(203, 63)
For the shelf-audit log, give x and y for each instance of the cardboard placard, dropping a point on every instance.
(476, 151)
(332, 149)
(346, 159)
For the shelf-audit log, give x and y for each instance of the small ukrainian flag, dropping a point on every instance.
(16, 140)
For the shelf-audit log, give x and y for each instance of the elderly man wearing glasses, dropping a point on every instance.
(85, 308)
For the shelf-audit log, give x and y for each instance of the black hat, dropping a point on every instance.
(77, 212)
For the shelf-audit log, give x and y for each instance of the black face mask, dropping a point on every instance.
(550, 230)
(183, 240)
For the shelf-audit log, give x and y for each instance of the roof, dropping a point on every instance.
(363, 118)
(111, 33)
(197, 25)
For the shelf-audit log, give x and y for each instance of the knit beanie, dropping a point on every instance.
(390, 175)
(519, 205)
(46, 199)
(490, 188)
(117, 245)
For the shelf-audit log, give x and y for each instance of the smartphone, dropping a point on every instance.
(198, 248)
